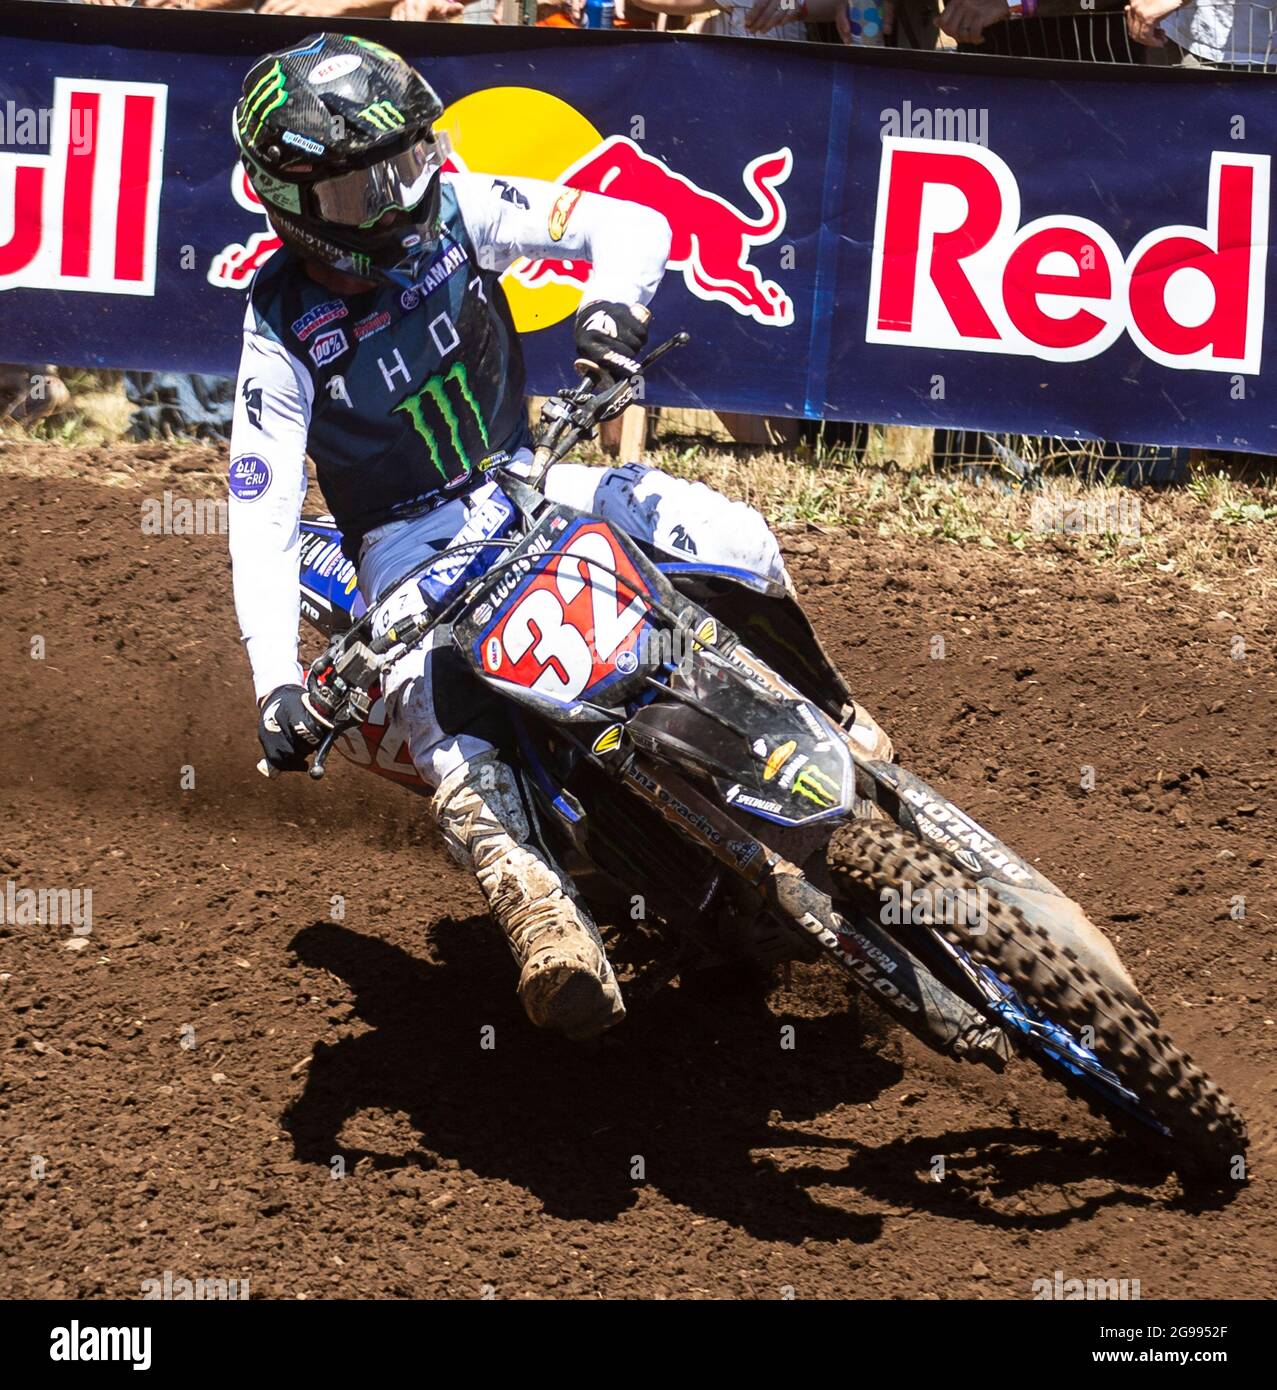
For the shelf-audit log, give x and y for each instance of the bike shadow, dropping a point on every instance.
(695, 1086)
(689, 1087)
(1013, 1178)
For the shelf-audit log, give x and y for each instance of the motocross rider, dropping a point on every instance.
(379, 340)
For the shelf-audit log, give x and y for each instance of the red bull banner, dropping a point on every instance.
(863, 234)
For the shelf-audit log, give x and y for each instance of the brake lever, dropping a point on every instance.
(353, 667)
(572, 414)
(610, 402)
(680, 339)
(316, 768)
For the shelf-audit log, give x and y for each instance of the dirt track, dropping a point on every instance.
(317, 1042)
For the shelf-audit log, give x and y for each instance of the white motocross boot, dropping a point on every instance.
(565, 981)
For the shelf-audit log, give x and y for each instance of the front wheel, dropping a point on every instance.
(1048, 1002)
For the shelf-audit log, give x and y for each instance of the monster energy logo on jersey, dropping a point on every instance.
(268, 95)
(383, 115)
(447, 401)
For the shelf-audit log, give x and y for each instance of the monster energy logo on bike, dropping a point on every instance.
(817, 786)
(437, 408)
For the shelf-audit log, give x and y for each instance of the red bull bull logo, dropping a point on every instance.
(85, 216)
(713, 240)
(953, 267)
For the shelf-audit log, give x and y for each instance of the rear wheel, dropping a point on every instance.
(1141, 1074)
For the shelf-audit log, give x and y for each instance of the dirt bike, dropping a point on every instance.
(682, 738)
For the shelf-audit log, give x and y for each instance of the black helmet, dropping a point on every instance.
(335, 134)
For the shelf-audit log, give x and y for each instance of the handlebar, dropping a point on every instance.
(575, 413)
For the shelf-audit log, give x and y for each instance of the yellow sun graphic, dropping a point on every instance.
(528, 133)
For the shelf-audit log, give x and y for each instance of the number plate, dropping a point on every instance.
(575, 625)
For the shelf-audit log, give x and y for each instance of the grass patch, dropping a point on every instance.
(1216, 529)
(1209, 530)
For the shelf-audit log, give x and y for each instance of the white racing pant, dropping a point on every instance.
(684, 518)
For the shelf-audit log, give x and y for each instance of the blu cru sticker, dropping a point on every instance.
(249, 477)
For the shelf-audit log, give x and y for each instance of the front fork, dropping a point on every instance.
(879, 965)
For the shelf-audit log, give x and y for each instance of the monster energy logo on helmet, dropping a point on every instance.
(270, 93)
(376, 48)
(336, 126)
(382, 115)
(458, 412)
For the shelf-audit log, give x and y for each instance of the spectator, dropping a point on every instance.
(966, 20)
(1191, 33)
(320, 9)
(28, 394)
(1071, 29)
(861, 22)
(911, 24)
(559, 14)
(1234, 34)
(742, 19)
(175, 4)
(905, 23)
(413, 11)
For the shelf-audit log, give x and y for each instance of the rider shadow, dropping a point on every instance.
(677, 1098)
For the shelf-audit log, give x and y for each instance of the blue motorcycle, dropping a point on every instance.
(681, 735)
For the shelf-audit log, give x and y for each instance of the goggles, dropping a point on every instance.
(396, 184)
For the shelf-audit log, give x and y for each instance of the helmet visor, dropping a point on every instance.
(399, 183)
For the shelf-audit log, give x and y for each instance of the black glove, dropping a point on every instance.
(609, 338)
(289, 729)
